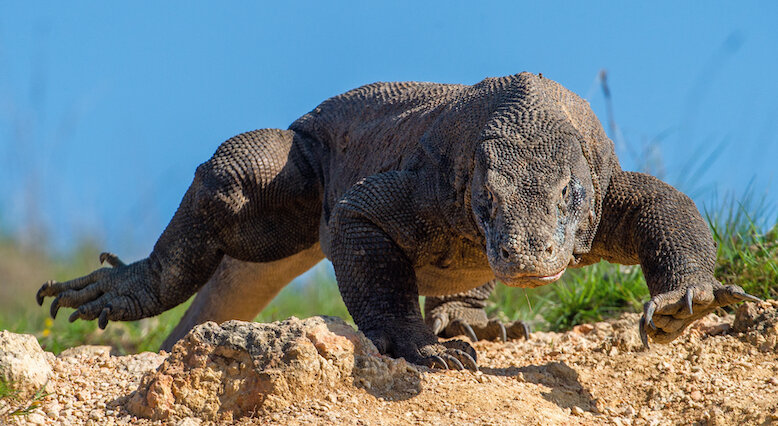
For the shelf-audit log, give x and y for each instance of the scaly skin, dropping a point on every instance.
(422, 188)
(463, 314)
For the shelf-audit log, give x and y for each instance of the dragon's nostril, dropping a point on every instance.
(505, 254)
(550, 250)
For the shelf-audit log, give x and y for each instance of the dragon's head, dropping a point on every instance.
(530, 208)
(530, 176)
(533, 189)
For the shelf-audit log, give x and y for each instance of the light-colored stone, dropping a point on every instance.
(142, 362)
(283, 363)
(52, 410)
(23, 362)
(36, 419)
(86, 351)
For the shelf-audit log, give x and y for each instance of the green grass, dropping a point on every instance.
(14, 405)
(747, 256)
(319, 297)
(589, 294)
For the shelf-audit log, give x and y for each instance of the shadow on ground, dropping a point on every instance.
(566, 390)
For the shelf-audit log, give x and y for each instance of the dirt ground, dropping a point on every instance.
(721, 371)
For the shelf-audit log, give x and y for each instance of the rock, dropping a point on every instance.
(52, 410)
(758, 322)
(711, 325)
(36, 418)
(23, 363)
(583, 328)
(224, 372)
(87, 351)
(95, 415)
(626, 335)
(141, 362)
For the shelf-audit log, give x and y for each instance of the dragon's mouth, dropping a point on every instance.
(547, 278)
(531, 280)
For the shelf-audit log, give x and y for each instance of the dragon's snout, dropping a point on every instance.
(509, 253)
(527, 262)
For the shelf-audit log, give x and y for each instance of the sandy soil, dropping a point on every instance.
(721, 371)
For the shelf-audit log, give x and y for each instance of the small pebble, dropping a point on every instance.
(36, 419)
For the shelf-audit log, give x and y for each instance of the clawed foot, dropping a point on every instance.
(453, 319)
(666, 315)
(107, 293)
(417, 345)
(455, 355)
(492, 330)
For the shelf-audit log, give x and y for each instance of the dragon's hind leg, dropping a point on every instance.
(241, 290)
(463, 314)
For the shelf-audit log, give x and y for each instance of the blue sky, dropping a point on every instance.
(106, 110)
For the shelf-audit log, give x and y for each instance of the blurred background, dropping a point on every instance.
(107, 109)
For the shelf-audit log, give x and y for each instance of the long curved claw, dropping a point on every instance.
(102, 322)
(436, 360)
(39, 296)
(518, 330)
(648, 313)
(463, 352)
(470, 333)
(75, 315)
(452, 361)
(54, 308)
(643, 334)
(471, 364)
(503, 332)
(689, 298)
(466, 329)
(742, 295)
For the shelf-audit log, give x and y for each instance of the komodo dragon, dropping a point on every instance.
(416, 189)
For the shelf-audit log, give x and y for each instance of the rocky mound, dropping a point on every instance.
(723, 370)
(237, 369)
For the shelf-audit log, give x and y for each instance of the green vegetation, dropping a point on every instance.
(319, 296)
(11, 404)
(747, 257)
(582, 295)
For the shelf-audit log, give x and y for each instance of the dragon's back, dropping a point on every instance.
(373, 129)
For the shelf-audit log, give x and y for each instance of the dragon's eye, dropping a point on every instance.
(564, 191)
